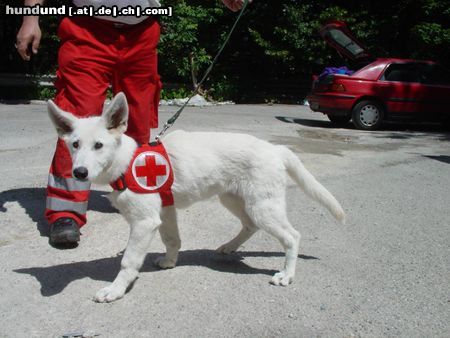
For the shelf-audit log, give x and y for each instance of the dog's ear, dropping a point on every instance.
(116, 114)
(63, 121)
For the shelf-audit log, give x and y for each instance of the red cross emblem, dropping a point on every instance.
(151, 170)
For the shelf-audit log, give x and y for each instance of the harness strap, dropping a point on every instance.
(119, 184)
(128, 181)
(166, 195)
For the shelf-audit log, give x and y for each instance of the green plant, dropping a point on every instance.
(46, 93)
(222, 89)
(180, 51)
(175, 93)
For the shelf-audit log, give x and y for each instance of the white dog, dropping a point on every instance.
(249, 176)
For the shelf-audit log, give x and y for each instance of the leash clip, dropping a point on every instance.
(162, 132)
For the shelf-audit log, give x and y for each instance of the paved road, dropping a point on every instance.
(385, 273)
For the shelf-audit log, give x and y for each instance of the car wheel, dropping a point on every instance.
(339, 120)
(368, 115)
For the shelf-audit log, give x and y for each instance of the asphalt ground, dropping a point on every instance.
(385, 273)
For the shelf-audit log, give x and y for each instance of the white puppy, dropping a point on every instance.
(249, 176)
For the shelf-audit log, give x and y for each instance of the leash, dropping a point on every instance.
(172, 120)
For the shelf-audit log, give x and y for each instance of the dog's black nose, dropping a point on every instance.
(81, 173)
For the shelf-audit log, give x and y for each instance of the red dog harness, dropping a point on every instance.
(149, 172)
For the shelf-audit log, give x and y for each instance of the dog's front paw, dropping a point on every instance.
(164, 263)
(109, 294)
(282, 278)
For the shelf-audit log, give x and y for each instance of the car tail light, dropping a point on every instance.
(337, 87)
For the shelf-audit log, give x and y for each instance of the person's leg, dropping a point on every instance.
(137, 76)
(83, 76)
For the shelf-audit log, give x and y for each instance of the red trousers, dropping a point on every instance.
(93, 55)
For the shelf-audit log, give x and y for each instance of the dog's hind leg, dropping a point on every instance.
(170, 237)
(235, 205)
(141, 234)
(270, 215)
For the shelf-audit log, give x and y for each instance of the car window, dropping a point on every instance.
(343, 40)
(403, 72)
(436, 75)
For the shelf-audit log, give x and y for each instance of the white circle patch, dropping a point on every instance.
(150, 170)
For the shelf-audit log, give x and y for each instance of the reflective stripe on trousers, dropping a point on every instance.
(68, 184)
(67, 197)
(57, 204)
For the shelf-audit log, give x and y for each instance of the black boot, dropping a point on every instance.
(65, 232)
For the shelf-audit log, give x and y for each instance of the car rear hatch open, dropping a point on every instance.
(338, 36)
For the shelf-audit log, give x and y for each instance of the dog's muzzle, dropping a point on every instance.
(81, 173)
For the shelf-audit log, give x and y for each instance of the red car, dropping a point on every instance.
(382, 89)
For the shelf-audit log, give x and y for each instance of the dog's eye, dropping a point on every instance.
(98, 145)
(75, 144)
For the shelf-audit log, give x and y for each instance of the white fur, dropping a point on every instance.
(248, 175)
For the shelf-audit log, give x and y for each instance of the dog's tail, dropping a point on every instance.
(309, 184)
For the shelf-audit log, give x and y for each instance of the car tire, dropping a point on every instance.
(339, 120)
(368, 115)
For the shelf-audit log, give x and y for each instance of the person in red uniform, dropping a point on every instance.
(95, 53)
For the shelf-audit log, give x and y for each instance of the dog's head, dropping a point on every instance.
(92, 141)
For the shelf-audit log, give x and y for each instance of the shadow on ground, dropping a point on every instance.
(440, 158)
(33, 202)
(391, 130)
(54, 279)
(311, 123)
